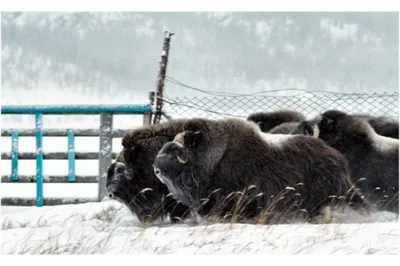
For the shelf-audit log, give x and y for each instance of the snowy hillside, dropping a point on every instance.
(114, 55)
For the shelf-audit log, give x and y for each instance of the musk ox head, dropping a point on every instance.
(268, 120)
(181, 164)
(119, 175)
(169, 166)
(126, 184)
(334, 126)
(131, 179)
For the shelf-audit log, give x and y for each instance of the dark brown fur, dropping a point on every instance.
(131, 178)
(268, 120)
(228, 160)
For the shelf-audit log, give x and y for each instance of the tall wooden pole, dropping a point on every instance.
(161, 76)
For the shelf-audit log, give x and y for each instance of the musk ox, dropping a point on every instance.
(284, 128)
(373, 159)
(131, 178)
(268, 120)
(230, 169)
(382, 125)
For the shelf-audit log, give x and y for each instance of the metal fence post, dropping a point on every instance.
(147, 116)
(14, 155)
(39, 159)
(105, 151)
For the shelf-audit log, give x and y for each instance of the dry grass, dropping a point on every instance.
(283, 208)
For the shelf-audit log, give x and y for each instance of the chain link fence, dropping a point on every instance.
(309, 103)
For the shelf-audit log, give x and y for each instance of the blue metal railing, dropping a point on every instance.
(71, 156)
(38, 111)
(39, 159)
(75, 109)
(14, 155)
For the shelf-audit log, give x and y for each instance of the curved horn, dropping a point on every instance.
(316, 131)
(120, 157)
(180, 138)
(181, 160)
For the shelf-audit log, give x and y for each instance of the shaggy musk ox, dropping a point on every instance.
(373, 159)
(268, 120)
(229, 168)
(382, 125)
(131, 178)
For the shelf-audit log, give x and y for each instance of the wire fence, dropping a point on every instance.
(220, 104)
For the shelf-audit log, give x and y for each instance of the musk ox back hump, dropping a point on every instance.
(268, 120)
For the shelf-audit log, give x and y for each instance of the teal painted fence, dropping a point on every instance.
(105, 155)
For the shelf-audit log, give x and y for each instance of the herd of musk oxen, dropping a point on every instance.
(272, 167)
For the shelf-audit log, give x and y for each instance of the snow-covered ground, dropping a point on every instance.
(109, 228)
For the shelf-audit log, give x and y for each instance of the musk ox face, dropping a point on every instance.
(131, 181)
(307, 127)
(181, 164)
(170, 166)
(326, 126)
(329, 126)
(122, 184)
(120, 175)
(170, 161)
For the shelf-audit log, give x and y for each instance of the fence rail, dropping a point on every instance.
(50, 179)
(105, 133)
(117, 133)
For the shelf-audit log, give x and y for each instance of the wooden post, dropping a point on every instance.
(161, 76)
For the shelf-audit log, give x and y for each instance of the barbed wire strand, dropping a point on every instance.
(230, 94)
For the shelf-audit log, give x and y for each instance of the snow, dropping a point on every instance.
(108, 227)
